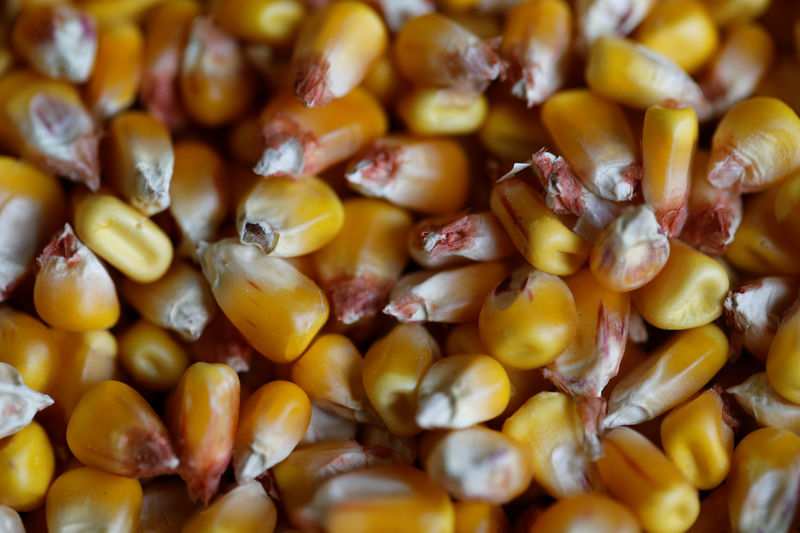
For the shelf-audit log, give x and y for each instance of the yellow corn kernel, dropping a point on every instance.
(453, 295)
(593, 356)
(586, 512)
(725, 11)
(673, 373)
(10, 520)
(480, 464)
(787, 205)
(111, 12)
(512, 131)
(361, 264)
(272, 422)
(630, 251)
(594, 137)
(289, 218)
(784, 356)
(45, 122)
(28, 346)
(755, 145)
(58, 41)
(330, 373)
(128, 240)
(151, 357)
(217, 84)
(464, 338)
(165, 506)
(426, 175)
(366, 500)
(199, 195)
(272, 304)
(668, 144)
(273, 22)
(442, 111)
(166, 32)
(782, 81)
(635, 75)
(393, 368)
(713, 512)
(117, 73)
(85, 499)
(299, 141)
(85, 359)
(763, 482)
(31, 209)
(139, 161)
(114, 429)
(180, 301)
(550, 428)
(682, 31)
(742, 60)
(596, 18)
(384, 81)
(637, 474)
(761, 247)
(245, 509)
(698, 439)
(688, 292)
(759, 399)
(73, 290)
(539, 235)
(536, 43)
(479, 517)
(27, 463)
(202, 413)
(529, 319)
(334, 50)
(432, 50)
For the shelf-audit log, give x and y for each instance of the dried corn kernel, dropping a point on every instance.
(165, 507)
(586, 512)
(18, 402)
(152, 358)
(596, 18)
(245, 509)
(273, 22)
(442, 111)
(27, 463)
(512, 131)
(480, 517)
(761, 401)
(29, 347)
(111, 12)
(784, 355)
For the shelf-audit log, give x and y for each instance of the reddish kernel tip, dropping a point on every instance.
(356, 297)
(311, 83)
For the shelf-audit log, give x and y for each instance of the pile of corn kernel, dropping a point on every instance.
(399, 266)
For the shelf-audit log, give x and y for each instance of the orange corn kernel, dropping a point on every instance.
(274, 22)
(117, 74)
(512, 131)
(202, 412)
(442, 111)
(115, 430)
(713, 513)
(299, 141)
(254, 291)
(272, 422)
(73, 290)
(426, 175)
(154, 360)
(111, 12)
(216, 83)
(383, 79)
(784, 356)
(334, 50)
(28, 346)
(589, 512)
(480, 517)
(27, 463)
(245, 509)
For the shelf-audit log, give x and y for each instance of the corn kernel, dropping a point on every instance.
(529, 319)
(151, 357)
(202, 413)
(165, 507)
(539, 235)
(397, 12)
(328, 427)
(58, 41)
(334, 50)
(668, 144)
(29, 347)
(512, 131)
(272, 422)
(404, 450)
(18, 402)
(27, 463)
(673, 373)
(122, 236)
(448, 111)
(10, 521)
(782, 81)
(479, 517)
(713, 513)
(549, 427)
(637, 474)
(274, 306)
(725, 11)
(393, 368)
(85, 499)
(764, 481)
(114, 429)
(425, 175)
(784, 355)
(787, 204)
(593, 135)
(480, 464)
(273, 22)
(73, 290)
(245, 509)
(111, 12)
(596, 18)
(289, 218)
(586, 512)
(761, 401)
(682, 31)
(299, 141)
(453, 295)
(117, 74)
(688, 292)
(222, 343)
(216, 83)
(139, 161)
(536, 43)
(383, 79)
